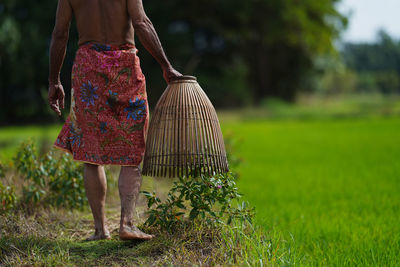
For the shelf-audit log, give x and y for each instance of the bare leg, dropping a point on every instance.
(130, 180)
(96, 187)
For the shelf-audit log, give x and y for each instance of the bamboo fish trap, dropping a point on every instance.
(184, 136)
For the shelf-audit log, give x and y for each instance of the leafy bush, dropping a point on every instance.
(51, 180)
(212, 199)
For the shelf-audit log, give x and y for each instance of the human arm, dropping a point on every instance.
(58, 47)
(149, 38)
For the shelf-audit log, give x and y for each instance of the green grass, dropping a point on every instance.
(321, 107)
(11, 138)
(326, 191)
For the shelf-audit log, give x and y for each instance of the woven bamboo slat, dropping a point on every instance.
(184, 136)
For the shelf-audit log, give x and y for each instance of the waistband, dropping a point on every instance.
(108, 47)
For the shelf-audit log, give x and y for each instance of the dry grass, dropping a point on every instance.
(53, 237)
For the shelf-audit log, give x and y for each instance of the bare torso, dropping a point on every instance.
(106, 22)
(103, 21)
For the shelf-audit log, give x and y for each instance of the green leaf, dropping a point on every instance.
(229, 220)
(150, 202)
(193, 214)
(180, 205)
(150, 221)
(146, 193)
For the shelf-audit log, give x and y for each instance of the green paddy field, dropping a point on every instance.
(326, 190)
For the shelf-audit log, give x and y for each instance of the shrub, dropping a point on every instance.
(51, 180)
(212, 199)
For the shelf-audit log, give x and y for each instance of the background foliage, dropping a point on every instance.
(241, 51)
(377, 64)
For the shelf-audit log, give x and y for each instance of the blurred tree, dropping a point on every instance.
(25, 32)
(338, 81)
(268, 45)
(377, 64)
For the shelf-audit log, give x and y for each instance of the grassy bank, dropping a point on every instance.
(56, 237)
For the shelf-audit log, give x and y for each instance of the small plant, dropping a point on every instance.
(27, 164)
(212, 199)
(65, 182)
(51, 180)
(8, 198)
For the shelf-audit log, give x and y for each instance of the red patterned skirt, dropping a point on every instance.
(109, 114)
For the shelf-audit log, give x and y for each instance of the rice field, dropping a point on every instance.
(325, 191)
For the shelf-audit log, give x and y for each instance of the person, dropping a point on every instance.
(107, 123)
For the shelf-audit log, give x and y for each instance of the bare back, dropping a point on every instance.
(103, 21)
(106, 22)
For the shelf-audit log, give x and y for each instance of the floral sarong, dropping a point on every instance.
(109, 114)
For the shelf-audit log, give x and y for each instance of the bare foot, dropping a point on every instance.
(98, 235)
(133, 233)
